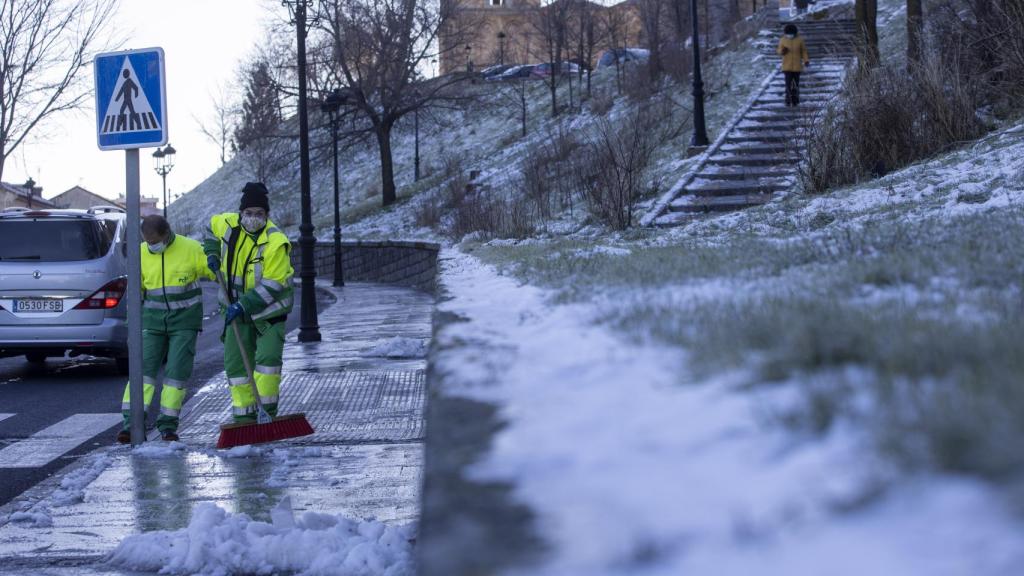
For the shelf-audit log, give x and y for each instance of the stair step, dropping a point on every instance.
(736, 137)
(734, 187)
(765, 148)
(734, 173)
(719, 203)
(791, 127)
(755, 160)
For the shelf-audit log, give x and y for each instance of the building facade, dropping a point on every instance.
(18, 196)
(82, 199)
(481, 33)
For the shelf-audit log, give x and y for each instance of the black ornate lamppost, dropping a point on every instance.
(309, 329)
(331, 105)
(416, 139)
(163, 163)
(700, 133)
(501, 47)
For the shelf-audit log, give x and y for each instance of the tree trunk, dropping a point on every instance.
(522, 102)
(387, 166)
(866, 14)
(915, 29)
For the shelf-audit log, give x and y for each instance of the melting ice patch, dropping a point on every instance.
(216, 542)
(400, 347)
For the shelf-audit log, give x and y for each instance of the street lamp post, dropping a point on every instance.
(30, 185)
(334, 101)
(163, 163)
(501, 47)
(469, 59)
(309, 329)
(700, 133)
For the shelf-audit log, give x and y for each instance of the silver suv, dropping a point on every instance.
(62, 283)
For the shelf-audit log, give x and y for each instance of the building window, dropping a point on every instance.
(497, 2)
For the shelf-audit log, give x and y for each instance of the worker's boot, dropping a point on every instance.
(170, 436)
(124, 437)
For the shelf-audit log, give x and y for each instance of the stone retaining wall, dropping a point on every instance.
(404, 263)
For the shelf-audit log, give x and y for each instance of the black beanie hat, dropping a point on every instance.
(254, 195)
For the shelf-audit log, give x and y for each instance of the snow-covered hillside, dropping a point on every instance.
(484, 138)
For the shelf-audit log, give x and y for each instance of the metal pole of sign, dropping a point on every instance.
(133, 296)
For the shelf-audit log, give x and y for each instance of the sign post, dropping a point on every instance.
(131, 113)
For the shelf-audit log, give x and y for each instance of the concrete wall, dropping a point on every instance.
(399, 262)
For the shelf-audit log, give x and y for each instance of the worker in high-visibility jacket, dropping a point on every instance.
(172, 316)
(255, 257)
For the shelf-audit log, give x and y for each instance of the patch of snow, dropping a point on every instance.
(159, 450)
(71, 490)
(241, 452)
(216, 542)
(400, 347)
(631, 468)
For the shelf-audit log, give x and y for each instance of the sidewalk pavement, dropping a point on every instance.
(363, 390)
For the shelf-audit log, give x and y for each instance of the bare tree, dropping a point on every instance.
(378, 48)
(220, 127)
(652, 16)
(616, 28)
(866, 14)
(552, 25)
(44, 46)
(587, 35)
(915, 30)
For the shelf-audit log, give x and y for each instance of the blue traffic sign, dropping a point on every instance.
(131, 99)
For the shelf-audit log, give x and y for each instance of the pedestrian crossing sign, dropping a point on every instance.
(131, 99)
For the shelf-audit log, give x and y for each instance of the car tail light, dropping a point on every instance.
(106, 297)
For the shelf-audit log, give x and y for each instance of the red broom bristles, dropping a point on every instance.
(289, 426)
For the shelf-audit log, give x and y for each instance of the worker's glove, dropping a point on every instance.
(785, 50)
(232, 312)
(213, 262)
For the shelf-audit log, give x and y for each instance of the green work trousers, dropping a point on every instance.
(180, 348)
(263, 341)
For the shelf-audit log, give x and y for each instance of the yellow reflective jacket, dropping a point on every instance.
(258, 270)
(172, 298)
(796, 56)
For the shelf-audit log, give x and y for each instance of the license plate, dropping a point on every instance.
(39, 305)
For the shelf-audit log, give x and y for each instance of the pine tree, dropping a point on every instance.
(261, 109)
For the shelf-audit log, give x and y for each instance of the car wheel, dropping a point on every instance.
(122, 365)
(36, 357)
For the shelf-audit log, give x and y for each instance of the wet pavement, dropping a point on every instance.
(365, 460)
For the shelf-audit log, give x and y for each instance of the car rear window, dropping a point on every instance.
(52, 240)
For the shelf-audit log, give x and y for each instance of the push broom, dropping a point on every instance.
(265, 429)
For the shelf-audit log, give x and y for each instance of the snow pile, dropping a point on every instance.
(630, 469)
(159, 450)
(216, 542)
(241, 451)
(400, 347)
(70, 491)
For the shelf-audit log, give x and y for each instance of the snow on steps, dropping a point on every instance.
(757, 155)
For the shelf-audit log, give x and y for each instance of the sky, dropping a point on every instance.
(203, 42)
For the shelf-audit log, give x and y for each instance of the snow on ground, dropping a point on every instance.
(631, 469)
(37, 513)
(216, 542)
(400, 347)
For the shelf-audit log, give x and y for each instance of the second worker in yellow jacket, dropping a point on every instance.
(793, 50)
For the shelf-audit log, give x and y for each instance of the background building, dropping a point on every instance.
(16, 195)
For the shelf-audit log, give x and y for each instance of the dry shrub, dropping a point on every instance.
(613, 172)
(492, 217)
(987, 39)
(887, 118)
(601, 102)
(547, 171)
(677, 62)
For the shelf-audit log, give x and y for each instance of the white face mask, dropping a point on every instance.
(790, 35)
(253, 224)
(157, 248)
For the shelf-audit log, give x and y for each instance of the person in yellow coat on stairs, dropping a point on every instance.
(793, 50)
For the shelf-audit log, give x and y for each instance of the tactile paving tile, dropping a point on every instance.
(343, 407)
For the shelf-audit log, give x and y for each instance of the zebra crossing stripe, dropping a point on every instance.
(52, 442)
(5, 417)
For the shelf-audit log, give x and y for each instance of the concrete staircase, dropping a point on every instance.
(760, 153)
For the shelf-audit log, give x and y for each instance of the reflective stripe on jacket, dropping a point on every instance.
(172, 298)
(261, 274)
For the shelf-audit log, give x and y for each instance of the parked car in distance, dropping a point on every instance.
(63, 279)
(515, 73)
(544, 70)
(608, 57)
(492, 71)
